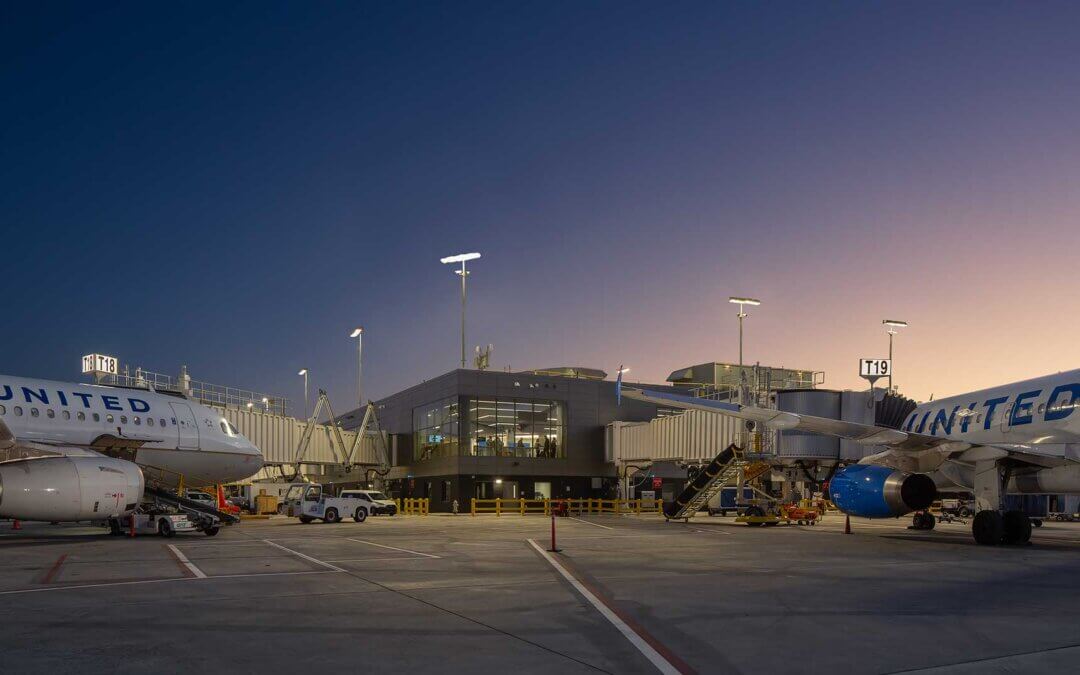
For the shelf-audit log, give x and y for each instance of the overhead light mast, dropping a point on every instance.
(358, 333)
(892, 325)
(452, 260)
(304, 373)
(742, 302)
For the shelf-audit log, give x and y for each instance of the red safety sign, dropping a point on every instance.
(657, 483)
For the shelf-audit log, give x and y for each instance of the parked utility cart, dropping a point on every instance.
(310, 502)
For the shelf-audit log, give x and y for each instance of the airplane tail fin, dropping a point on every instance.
(618, 387)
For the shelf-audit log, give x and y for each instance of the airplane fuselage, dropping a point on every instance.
(169, 434)
(1039, 412)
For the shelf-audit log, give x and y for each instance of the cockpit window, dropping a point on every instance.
(224, 429)
(233, 429)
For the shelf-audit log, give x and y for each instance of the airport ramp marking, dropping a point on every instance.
(590, 523)
(185, 563)
(305, 556)
(642, 643)
(54, 571)
(394, 548)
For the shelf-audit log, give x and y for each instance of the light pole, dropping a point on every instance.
(742, 302)
(461, 258)
(358, 333)
(892, 324)
(304, 374)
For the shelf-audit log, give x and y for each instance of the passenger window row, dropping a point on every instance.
(81, 416)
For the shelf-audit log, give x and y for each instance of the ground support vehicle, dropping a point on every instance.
(310, 502)
(376, 503)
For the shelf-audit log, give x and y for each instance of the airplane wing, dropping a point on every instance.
(12, 448)
(865, 434)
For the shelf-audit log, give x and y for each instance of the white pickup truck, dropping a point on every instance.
(309, 502)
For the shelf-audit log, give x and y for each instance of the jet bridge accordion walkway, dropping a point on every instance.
(706, 485)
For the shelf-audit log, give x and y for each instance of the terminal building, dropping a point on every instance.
(488, 434)
(554, 432)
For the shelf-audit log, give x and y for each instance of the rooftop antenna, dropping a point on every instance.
(482, 361)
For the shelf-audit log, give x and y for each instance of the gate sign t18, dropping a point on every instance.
(874, 368)
(98, 363)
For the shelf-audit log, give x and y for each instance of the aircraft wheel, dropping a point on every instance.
(1017, 528)
(924, 521)
(114, 527)
(754, 512)
(988, 528)
(211, 531)
(360, 515)
(331, 516)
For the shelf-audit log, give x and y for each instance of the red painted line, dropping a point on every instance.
(179, 563)
(54, 570)
(601, 595)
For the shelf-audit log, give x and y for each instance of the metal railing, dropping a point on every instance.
(202, 392)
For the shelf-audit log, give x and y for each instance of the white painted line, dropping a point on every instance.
(588, 523)
(662, 664)
(161, 581)
(186, 563)
(712, 532)
(305, 557)
(268, 574)
(393, 548)
(402, 559)
(104, 585)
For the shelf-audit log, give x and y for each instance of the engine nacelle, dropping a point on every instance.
(69, 488)
(880, 492)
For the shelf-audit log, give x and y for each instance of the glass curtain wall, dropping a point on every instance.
(435, 429)
(515, 428)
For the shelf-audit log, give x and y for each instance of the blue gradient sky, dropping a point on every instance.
(235, 187)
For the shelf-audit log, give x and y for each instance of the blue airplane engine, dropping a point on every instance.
(880, 492)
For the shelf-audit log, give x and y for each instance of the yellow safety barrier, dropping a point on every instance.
(413, 506)
(577, 506)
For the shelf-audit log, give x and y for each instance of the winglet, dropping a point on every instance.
(618, 387)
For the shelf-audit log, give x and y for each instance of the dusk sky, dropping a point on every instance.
(235, 186)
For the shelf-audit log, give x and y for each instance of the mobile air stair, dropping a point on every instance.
(706, 485)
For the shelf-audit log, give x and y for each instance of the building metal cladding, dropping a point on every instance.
(691, 436)
(278, 437)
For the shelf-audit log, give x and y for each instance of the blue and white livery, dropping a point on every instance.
(1017, 438)
(73, 451)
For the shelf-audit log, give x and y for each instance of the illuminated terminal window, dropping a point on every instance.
(516, 428)
(435, 429)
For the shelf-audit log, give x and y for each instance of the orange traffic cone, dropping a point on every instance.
(847, 524)
(16, 526)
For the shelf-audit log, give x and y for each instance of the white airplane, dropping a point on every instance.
(79, 452)
(1019, 438)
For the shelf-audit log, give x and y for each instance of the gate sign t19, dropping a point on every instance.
(98, 363)
(872, 369)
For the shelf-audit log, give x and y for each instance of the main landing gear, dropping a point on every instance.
(993, 525)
